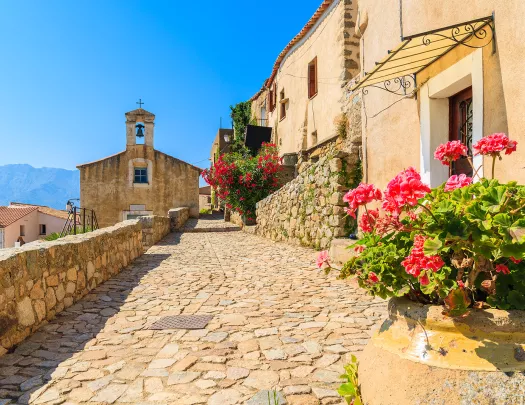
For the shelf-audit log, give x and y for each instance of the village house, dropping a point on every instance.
(205, 198)
(439, 71)
(27, 222)
(304, 99)
(140, 180)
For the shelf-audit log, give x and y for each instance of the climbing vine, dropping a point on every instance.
(241, 116)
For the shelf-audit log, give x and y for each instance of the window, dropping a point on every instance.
(22, 230)
(272, 95)
(312, 78)
(282, 101)
(1, 238)
(460, 128)
(141, 175)
(43, 230)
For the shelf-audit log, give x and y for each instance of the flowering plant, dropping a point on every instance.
(461, 244)
(241, 181)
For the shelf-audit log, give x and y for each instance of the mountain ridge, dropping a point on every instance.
(42, 186)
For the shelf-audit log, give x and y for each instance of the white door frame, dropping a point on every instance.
(434, 110)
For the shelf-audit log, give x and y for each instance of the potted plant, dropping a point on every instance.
(241, 180)
(451, 259)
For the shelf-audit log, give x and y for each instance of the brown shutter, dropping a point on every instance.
(312, 78)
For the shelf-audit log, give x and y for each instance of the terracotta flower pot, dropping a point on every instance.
(419, 356)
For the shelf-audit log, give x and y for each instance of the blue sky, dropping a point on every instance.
(69, 70)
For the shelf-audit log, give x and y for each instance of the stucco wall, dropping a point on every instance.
(393, 136)
(12, 232)
(40, 279)
(332, 42)
(106, 187)
(53, 224)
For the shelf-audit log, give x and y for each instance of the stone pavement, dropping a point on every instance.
(278, 323)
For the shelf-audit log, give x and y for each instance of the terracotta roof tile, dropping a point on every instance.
(313, 20)
(9, 215)
(43, 209)
(53, 212)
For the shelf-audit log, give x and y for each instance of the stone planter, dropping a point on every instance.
(420, 356)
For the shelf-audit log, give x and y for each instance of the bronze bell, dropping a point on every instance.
(140, 132)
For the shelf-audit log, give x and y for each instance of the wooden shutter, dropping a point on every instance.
(312, 78)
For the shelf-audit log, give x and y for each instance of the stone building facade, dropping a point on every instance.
(403, 130)
(140, 180)
(303, 99)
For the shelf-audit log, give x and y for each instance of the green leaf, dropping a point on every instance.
(513, 250)
(503, 220)
(346, 390)
(516, 299)
(457, 302)
(517, 231)
(432, 246)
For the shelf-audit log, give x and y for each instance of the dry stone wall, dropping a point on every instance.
(178, 217)
(40, 279)
(309, 210)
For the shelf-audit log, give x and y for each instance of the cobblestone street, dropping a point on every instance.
(278, 323)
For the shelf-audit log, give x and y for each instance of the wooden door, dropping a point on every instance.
(461, 113)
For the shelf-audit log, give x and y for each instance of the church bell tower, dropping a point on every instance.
(139, 126)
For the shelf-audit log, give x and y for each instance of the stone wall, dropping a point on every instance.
(40, 279)
(178, 217)
(154, 228)
(309, 210)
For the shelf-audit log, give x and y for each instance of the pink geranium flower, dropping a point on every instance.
(359, 249)
(363, 194)
(501, 268)
(450, 152)
(456, 181)
(494, 144)
(514, 260)
(372, 277)
(322, 258)
(417, 261)
(404, 189)
(368, 220)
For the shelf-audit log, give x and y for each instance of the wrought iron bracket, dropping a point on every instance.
(401, 86)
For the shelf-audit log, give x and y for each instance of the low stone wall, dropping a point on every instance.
(178, 217)
(154, 228)
(309, 210)
(41, 278)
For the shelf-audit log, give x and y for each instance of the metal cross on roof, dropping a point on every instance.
(140, 103)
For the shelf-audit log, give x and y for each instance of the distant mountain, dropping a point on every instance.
(44, 186)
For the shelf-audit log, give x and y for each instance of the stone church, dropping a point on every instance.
(140, 180)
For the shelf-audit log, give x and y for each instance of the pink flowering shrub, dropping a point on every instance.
(461, 244)
(241, 181)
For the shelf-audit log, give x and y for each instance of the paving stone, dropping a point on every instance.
(168, 351)
(182, 377)
(326, 360)
(262, 380)
(225, 397)
(322, 393)
(262, 398)
(237, 373)
(110, 394)
(275, 354)
(266, 332)
(302, 400)
(297, 389)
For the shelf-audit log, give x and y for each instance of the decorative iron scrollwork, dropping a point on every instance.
(402, 86)
(463, 34)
